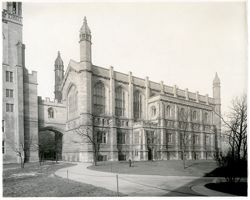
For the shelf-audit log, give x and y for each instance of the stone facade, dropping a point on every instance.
(131, 117)
(19, 89)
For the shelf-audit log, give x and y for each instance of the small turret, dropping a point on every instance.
(216, 89)
(217, 109)
(59, 75)
(85, 43)
(58, 61)
(85, 33)
(216, 80)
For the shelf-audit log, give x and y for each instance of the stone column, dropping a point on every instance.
(212, 137)
(186, 94)
(163, 128)
(131, 111)
(177, 136)
(162, 87)
(202, 135)
(190, 144)
(207, 100)
(197, 96)
(144, 144)
(113, 131)
(175, 90)
(147, 91)
(131, 98)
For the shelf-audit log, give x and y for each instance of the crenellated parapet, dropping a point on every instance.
(51, 113)
(153, 88)
(30, 78)
(50, 102)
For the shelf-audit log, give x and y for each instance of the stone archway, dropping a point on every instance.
(50, 143)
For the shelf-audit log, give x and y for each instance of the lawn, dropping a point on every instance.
(164, 168)
(40, 181)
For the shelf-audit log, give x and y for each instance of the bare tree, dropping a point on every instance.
(235, 125)
(185, 135)
(90, 138)
(22, 149)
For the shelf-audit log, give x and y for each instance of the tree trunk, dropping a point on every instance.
(22, 162)
(94, 155)
(183, 158)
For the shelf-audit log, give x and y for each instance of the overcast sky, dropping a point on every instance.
(179, 43)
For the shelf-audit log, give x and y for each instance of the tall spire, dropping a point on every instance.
(216, 79)
(85, 43)
(85, 33)
(58, 61)
(59, 74)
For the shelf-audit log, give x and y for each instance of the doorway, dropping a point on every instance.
(150, 154)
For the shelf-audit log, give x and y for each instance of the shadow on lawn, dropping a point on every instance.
(239, 189)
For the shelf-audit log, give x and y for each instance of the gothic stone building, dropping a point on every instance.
(131, 117)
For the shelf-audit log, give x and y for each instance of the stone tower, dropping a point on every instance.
(217, 119)
(85, 80)
(19, 89)
(86, 75)
(85, 43)
(59, 74)
(12, 70)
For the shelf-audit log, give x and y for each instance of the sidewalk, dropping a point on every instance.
(134, 185)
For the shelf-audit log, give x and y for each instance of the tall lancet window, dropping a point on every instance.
(119, 102)
(72, 102)
(137, 105)
(99, 98)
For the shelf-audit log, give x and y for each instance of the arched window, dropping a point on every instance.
(196, 139)
(50, 113)
(153, 111)
(168, 111)
(119, 102)
(170, 138)
(206, 117)
(72, 102)
(137, 105)
(182, 113)
(194, 115)
(99, 98)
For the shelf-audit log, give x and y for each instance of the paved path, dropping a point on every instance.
(139, 185)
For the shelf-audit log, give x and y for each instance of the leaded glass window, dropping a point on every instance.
(101, 137)
(206, 117)
(137, 105)
(119, 102)
(168, 111)
(99, 98)
(194, 116)
(72, 102)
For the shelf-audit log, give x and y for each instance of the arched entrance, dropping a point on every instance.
(50, 143)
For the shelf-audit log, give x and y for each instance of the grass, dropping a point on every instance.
(39, 181)
(163, 168)
(239, 189)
